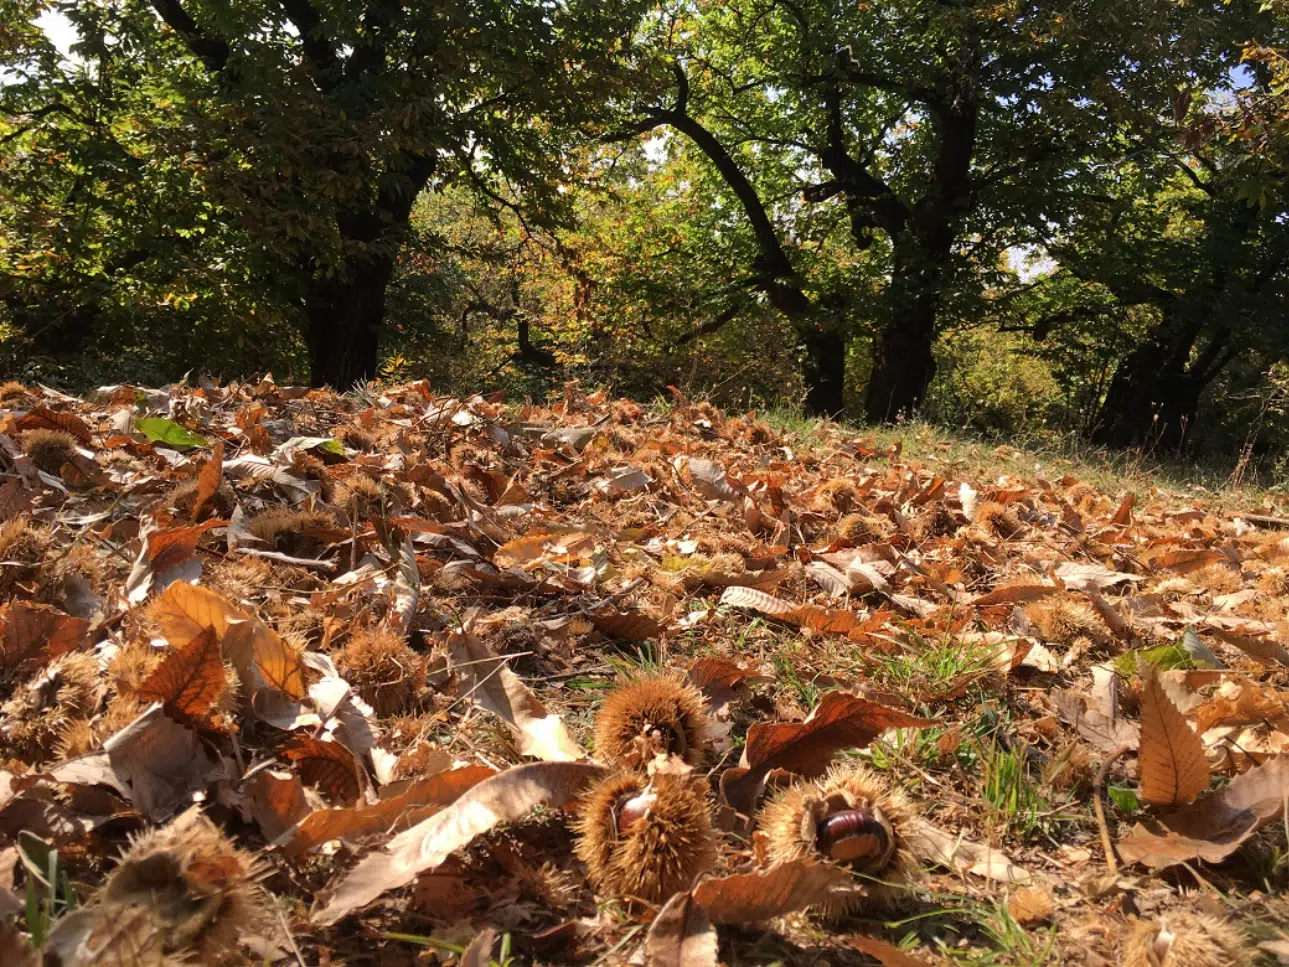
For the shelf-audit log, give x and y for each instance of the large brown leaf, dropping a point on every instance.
(506, 797)
(262, 659)
(190, 679)
(43, 418)
(488, 680)
(208, 480)
(1174, 769)
(754, 897)
(629, 625)
(39, 633)
(680, 936)
(421, 800)
(1213, 827)
(839, 721)
(276, 801)
(327, 765)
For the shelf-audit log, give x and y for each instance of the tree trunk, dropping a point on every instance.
(343, 325)
(824, 372)
(903, 361)
(1154, 394)
(903, 366)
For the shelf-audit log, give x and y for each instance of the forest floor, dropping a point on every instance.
(390, 678)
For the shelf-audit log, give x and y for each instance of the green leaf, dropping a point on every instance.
(1198, 651)
(1124, 798)
(333, 446)
(1165, 657)
(159, 430)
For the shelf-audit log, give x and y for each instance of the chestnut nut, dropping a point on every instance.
(856, 836)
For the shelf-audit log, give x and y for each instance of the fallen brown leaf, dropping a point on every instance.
(209, 478)
(765, 894)
(419, 801)
(488, 680)
(327, 765)
(190, 679)
(839, 721)
(506, 797)
(680, 936)
(38, 633)
(1174, 769)
(884, 953)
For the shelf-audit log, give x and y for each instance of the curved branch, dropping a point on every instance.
(211, 51)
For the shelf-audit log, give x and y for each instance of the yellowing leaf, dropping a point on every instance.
(1174, 769)
(262, 659)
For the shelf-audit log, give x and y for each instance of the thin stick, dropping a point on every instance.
(317, 565)
(1098, 783)
(286, 930)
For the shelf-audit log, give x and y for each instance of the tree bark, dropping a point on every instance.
(903, 366)
(903, 358)
(1154, 394)
(343, 320)
(824, 371)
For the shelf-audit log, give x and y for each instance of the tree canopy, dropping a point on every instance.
(819, 199)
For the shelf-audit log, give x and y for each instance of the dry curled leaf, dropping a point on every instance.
(680, 936)
(839, 721)
(765, 894)
(506, 797)
(1174, 769)
(488, 681)
(419, 801)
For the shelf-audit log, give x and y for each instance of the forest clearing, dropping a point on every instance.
(295, 677)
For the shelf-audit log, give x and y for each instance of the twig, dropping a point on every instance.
(1098, 783)
(286, 932)
(326, 566)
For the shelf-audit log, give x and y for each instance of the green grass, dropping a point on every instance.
(1221, 483)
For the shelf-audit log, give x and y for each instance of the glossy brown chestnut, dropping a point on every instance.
(633, 809)
(855, 836)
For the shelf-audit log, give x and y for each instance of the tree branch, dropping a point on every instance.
(211, 51)
(317, 47)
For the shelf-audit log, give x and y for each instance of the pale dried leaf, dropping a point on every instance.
(488, 680)
(506, 797)
(680, 936)
(955, 853)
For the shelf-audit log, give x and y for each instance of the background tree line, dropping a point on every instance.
(1013, 215)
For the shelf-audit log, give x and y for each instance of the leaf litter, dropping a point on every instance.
(327, 672)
